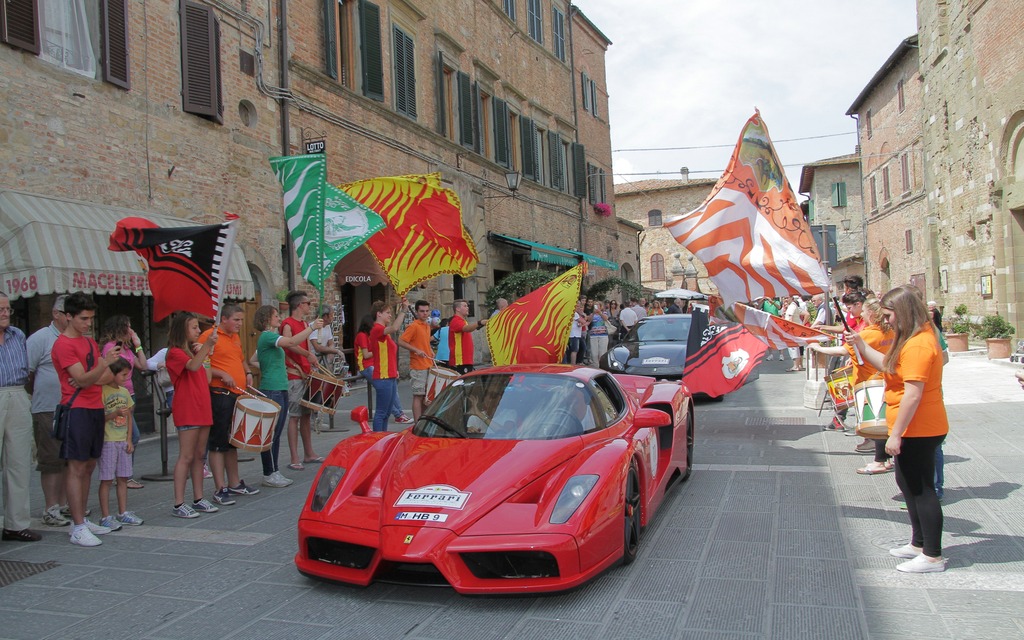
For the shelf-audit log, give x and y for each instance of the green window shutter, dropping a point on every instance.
(442, 112)
(501, 141)
(810, 211)
(478, 138)
(579, 169)
(465, 109)
(585, 89)
(371, 55)
(528, 143)
(839, 194)
(330, 39)
(555, 160)
(405, 72)
(591, 177)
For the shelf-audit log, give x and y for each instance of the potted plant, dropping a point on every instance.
(995, 330)
(602, 209)
(282, 301)
(959, 327)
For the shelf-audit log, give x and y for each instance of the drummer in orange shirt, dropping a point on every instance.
(878, 335)
(917, 420)
(416, 338)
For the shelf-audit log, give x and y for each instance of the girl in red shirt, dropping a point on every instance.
(191, 409)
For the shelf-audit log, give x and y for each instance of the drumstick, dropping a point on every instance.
(256, 391)
(846, 325)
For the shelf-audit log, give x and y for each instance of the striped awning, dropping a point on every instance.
(553, 255)
(54, 245)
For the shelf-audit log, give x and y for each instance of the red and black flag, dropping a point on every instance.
(188, 266)
(720, 357)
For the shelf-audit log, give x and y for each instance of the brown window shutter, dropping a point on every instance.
(19, 24)
(200, 61)
(115, 42)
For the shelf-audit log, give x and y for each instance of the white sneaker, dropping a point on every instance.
(922, 564)
(276, 480)
(97, 530)
(770, 357)
(81, 536)
(52, 517)
(906, 551)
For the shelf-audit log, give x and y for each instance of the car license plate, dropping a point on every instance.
(421, 516)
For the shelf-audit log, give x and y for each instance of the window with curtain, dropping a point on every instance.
(70, 31)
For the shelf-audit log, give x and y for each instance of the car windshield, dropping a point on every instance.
(663, 329)
(519, 406)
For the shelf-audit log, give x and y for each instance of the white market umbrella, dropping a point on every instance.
(682, 294)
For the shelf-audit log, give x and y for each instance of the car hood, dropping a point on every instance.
(465, 479)
(652, 355)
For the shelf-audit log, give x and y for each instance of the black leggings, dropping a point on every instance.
(880, 454)
(915, 476)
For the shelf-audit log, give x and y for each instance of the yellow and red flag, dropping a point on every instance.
(750, 232)
(535, 328)
(423, 235)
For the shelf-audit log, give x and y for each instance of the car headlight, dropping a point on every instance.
(330, 478)
(614, 363)
(572, 496)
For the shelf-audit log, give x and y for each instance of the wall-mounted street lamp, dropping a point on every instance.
(846, 224)
(512, 180)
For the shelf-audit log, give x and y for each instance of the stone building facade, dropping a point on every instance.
(901, 234)
(185, 100)
(834, 199)
(972, 67)
(664, 263)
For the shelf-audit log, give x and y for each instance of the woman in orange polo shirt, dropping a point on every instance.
(917, 420)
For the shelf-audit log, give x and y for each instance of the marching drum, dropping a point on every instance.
(437, 379)
(252, 425)
(323, 391)
(840, 387)
(869, 396)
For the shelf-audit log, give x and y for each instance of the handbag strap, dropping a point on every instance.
(89, 361)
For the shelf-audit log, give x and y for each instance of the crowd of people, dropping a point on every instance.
(82, 392)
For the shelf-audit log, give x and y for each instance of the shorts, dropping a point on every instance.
(47, 447)
(85, 435)
(223, 411)
(296, 391)
(115, 462)
(419, 381)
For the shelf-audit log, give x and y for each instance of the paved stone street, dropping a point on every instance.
(774, 536)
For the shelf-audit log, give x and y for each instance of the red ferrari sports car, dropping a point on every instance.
(526, 478)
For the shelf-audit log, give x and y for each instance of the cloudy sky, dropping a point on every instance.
(688, 73)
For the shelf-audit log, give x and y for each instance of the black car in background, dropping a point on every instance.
(655, 346)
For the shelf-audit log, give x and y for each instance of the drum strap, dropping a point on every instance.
(296, 371)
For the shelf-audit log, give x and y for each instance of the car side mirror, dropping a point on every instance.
(651, 418)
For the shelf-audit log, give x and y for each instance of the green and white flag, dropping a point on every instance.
(324, 222)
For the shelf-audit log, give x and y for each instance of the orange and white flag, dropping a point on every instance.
(535, 328)
(750, 232)
(775, 331)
